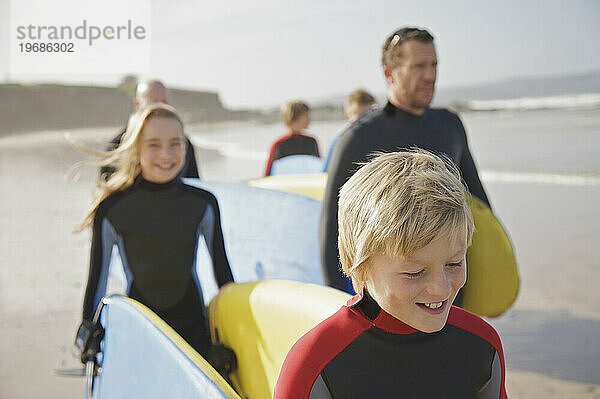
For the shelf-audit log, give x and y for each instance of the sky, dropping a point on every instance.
(261, 53)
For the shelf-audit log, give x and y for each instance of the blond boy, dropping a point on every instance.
(296, 116)
(404, 229)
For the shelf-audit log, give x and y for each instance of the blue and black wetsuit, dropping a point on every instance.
(388, 129)
(157, 229)
(363, 352)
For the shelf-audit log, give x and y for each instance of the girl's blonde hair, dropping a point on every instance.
(124, 158)
(396, 204)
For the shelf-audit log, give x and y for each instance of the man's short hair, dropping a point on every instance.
(396, 204)
(392, 48)
(359, 97)
(292, 111)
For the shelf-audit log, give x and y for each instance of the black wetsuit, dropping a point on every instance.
(291, 144)
(363, 352)
(157, 229)
(389, 129)
(190, 167)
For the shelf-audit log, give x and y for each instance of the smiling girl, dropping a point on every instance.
(156, 222)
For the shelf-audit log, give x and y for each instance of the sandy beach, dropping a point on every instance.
(549, 335)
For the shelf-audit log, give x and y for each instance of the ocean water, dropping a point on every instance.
(573, 101)
(240, 153)
(542, 146)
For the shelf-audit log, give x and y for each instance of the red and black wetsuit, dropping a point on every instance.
(159, 230)
(363, 352)
(388, 129)
(291, 144)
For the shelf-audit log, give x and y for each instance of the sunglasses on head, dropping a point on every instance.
(401, 36)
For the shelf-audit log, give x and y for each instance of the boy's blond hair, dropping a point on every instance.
(396, 204)
(292, 111)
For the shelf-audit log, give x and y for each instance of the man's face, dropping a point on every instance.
(411, 83)
(420, 289)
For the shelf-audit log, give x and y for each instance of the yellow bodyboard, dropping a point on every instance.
(310, 185)
(262, 320)
(492, 273)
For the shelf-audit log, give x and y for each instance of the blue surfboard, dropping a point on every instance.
(296, 164)
(268, 235)
(142, 357)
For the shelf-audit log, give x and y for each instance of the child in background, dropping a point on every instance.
(357, 106)
(296, 116)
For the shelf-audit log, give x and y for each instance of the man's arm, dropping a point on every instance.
(330, 152)
(471, 177)
(190, 168)
(469, 170)
(347, 151)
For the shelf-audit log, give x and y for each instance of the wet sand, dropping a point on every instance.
(549, 335)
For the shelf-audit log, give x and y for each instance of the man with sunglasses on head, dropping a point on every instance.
(409, 63)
